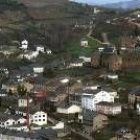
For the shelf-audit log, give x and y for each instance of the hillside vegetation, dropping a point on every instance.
(42, 21)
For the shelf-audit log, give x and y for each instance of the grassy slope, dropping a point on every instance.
(77, 50)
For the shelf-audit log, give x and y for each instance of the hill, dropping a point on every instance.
(24, 10)
(41, 21)
(129, 5)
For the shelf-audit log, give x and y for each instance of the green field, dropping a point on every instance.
(76, 50)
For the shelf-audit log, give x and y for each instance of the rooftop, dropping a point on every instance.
(108, 104)
(135, 91)
(39, 134)
(6, 117)
(109, 49)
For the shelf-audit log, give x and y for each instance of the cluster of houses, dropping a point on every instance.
(91, 103)
(31, 54)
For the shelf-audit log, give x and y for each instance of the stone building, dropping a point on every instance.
(133, 95)
(114, 61)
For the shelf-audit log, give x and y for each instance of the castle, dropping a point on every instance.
(115, 60)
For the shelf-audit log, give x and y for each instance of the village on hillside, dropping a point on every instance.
(69, 73)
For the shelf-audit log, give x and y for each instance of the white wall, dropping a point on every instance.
(84, 43)
(75, 65)
(7, 123)
(89, 101)
(86, 59)
(38, 69)
(71, 110)
(23, 102)
(39, 118)
(59, 125)
(21, 121)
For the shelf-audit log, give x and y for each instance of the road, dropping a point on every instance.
(104, 37)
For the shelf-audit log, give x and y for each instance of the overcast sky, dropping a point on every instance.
(100, 1)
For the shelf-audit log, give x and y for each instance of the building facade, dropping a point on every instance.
(108, 108)
(91, 98)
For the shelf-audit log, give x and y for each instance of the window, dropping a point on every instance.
(44, 120)
(35, 116)
(39, 116)
(40, 120)
(43, 115)
(7, 123)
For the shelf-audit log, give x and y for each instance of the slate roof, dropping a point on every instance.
(108, 104)
(108, 49)
(88, 114)
(37, 89)
(122, 131)
(36, 65)
(77, 61)
(42, 134)
(135, 91)
(6, 117)
(92, 92)
(65, 105)
(37, 80)
(11, 98)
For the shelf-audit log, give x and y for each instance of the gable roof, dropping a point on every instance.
(6, 117)
(135, 91)
(37, 135)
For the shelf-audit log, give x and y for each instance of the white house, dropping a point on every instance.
(37, 68)
(39, 118)
(111, 76)
(40, 49)
(100, 49)
(138, 107)
(59, 125)
(19, 127)
(91, 97)
(20, 120)
(24, 45)
(91, 87)
(22, 101)
(6, 122)
(48, 51)
(9, 120)
(64, 80)
(69, 109)
(84, 43)
(76, 63)
(85, 59)
(108, 108)
(112, 92)
(29, 55)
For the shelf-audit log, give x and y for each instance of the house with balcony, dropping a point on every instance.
(92, 97)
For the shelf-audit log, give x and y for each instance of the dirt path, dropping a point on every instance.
(89, 36)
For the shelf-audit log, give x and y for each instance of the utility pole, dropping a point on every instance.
(27, 111)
